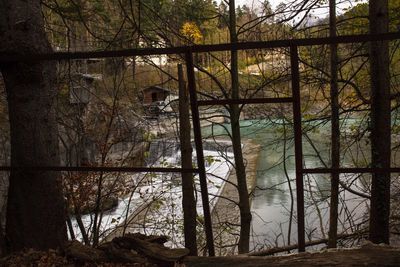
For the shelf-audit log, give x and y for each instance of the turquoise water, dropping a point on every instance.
(271, 202)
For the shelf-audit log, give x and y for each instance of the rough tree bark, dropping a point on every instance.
(380, 123)
(234, 112)
(36, 212)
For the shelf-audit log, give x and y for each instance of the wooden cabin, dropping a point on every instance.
(154, 94)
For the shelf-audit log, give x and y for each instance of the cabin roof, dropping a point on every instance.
(155, 87)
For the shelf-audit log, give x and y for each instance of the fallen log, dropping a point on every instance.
(272, 251)
(369, 255)
(129, 249)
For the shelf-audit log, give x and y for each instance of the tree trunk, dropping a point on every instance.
(244, 203)
(335, 131)
(380, 123)
(36, 212)
(188, 200)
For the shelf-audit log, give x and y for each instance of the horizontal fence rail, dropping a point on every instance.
(350, 170)
(14, 57)
(245, 101)
(182, 170)
(97, 169)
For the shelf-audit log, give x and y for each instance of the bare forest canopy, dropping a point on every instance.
(95, 25)
(112, 96)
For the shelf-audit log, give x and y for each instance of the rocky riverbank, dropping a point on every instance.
(226, 215)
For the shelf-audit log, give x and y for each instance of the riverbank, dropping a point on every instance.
(226, 214)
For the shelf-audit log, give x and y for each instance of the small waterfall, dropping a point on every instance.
(168, 151)
(163, 151)
(224, 146)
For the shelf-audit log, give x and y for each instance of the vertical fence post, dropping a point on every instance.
(335, 130)
(199, 153)
(298, 149)
(188, 197)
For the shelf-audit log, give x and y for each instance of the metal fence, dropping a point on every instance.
(188, 51)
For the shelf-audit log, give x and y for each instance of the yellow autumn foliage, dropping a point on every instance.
(191, 32)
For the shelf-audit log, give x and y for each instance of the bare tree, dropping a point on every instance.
(234, 112)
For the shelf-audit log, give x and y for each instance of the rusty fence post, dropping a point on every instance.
(188, 192)
(298, 149)
(199, 152)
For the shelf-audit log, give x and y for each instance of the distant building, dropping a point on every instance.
(157, 100)
(154, 94)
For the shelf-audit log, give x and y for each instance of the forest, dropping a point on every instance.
(198, 127)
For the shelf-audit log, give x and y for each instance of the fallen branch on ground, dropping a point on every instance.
(272, 251)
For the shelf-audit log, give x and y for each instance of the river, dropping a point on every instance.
(272, 202)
